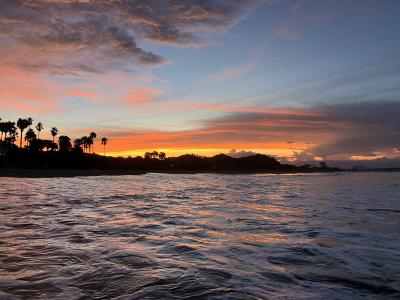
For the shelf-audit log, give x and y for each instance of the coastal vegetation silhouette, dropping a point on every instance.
(33, 152)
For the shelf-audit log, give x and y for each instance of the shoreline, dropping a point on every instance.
(70, 173)
(64, 173)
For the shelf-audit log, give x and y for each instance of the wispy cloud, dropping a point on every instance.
(287, 33)
(230, 73)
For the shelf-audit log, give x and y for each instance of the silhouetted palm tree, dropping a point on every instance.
(11, 129)
(30, 135)
(39, 127)
(64, 143)
(78, 144)
(54, 132)
(22, 124)
(85, 143)
(6, 128)
(104, 142)
(92, 137)
(9, 135)
(12, 137)
(89, 143)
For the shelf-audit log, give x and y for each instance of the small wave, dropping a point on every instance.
(278, 277)
(79, 239)
(180, 249)
(22, 225)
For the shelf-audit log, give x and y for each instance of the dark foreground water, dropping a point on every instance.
(163, 236)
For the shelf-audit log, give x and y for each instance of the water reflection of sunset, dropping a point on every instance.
(196, 232)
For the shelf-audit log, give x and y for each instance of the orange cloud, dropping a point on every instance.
(140, 95)
(271, 133)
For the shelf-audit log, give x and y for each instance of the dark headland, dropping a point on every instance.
(37, 164)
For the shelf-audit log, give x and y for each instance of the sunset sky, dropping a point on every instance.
(300, 80)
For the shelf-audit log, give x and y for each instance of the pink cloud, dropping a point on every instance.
(141, 95)
(83, 94)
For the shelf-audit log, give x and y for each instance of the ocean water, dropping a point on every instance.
(201, 236)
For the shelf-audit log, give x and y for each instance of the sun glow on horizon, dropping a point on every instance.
(171, 152)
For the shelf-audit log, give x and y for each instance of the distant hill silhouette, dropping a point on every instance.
(28, 159)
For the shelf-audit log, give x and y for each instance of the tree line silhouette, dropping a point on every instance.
(29, 138)
(21, 146)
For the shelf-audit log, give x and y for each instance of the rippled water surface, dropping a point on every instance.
(202, 236)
